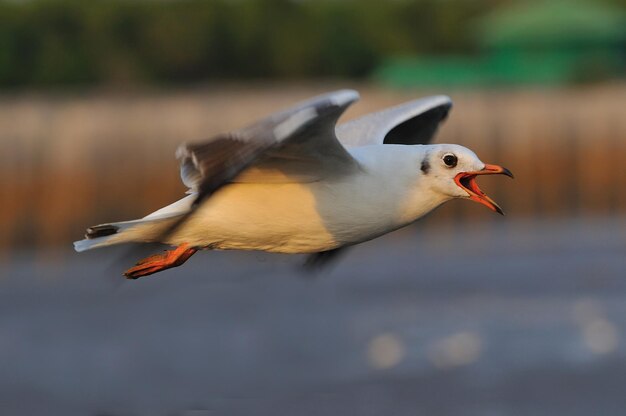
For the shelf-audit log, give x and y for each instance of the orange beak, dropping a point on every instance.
(467, 182)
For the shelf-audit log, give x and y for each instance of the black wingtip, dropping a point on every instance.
(101, 231)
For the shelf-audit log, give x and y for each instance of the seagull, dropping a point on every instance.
(296, 182)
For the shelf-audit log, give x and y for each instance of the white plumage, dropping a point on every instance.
(287, 183)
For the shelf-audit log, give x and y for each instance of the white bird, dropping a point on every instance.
(297, 183)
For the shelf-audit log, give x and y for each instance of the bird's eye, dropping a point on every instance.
(450, 160)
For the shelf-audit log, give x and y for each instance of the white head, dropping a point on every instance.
(452, 169)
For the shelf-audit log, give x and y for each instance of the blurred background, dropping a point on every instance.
(465, 312)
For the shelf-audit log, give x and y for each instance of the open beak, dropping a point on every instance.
(467, 182)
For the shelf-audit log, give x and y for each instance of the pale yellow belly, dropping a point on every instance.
(286, 218)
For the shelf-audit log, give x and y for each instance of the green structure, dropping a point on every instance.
(539, 42)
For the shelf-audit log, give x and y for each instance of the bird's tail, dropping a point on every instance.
(144, 230)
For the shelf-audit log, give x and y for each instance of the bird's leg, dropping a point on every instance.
(158, 262)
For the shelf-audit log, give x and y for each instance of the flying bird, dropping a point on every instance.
(296, 182)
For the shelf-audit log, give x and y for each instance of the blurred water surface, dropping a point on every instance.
(521, 317)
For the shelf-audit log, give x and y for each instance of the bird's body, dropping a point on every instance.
(287, 185)
(386, 193)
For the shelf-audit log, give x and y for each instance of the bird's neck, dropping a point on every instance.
(418, 202)
(397, 169)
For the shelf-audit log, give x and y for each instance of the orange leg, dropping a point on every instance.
(158, 262)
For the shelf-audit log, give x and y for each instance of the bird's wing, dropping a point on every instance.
(414, 122)
(298, 144)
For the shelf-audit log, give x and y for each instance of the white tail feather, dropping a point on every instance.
(120, 235)
(143, 230)
(137, 231)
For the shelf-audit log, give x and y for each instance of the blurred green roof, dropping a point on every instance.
(557, 22)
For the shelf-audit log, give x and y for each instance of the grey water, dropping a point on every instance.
(521, 318)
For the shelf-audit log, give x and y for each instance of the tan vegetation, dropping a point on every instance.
(75, 160)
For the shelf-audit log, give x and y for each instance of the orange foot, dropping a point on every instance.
(158, 262)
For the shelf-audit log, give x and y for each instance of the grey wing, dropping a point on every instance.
(299, 141)
(415, 122)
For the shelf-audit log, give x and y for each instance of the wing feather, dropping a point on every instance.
(415, 122)
(298, 142)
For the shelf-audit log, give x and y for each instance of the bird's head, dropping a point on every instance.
(453, 170)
